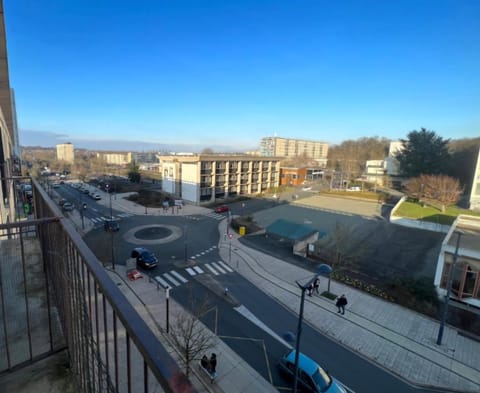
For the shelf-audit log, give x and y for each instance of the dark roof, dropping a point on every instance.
(289, 230)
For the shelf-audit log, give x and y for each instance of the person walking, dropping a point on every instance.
(341, 303)
(205, 363)
(213, 364)
(316, 285)
(310, 289)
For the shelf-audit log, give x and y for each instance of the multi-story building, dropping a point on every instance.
(290, 148)
(206, 177)
(460, 257)
(116, 158)
(9, 149)
(65, 152)
(475, 192)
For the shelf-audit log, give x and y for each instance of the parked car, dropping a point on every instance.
(311, 376)
(97, 197)
(62, 201)
(145, 258)
(67, 206)
(111, 226)
(221, 209)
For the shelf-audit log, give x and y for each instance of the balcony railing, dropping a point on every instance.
(56, 282)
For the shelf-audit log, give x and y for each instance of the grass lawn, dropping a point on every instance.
(428, 213)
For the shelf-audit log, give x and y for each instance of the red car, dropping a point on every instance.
(221, 209)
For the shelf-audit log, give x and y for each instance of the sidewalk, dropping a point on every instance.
(396, 338)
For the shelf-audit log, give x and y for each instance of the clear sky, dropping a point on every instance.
(228, 73)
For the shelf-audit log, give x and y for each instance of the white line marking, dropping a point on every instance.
(179, 276)
(171, 279)
(161, 281)
(218, 268)
(225, 266)
(190, 271)
(198, 269)
(211, 269)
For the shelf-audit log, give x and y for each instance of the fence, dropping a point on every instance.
(56, 294)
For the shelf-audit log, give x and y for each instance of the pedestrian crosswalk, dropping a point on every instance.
(174, 278)
(102, 219)
(215, 216)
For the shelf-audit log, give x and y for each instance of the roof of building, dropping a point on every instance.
(469, 227)
(290, 230)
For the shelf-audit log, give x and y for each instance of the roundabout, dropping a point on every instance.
(153, 234)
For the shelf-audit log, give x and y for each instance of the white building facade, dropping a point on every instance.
(205, 178)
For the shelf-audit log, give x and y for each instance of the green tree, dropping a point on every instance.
(424, 153)
(134, 173)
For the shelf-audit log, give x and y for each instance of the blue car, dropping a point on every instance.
(311, 377)
(145, 258)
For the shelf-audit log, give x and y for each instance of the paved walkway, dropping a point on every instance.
(395, 338)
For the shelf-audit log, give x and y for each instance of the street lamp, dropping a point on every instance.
(449, 290)
(167, 300)
(185, 241)
(323, 269)
(107, 187)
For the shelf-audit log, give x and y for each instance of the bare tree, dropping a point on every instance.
(191, 336)
(434, 190)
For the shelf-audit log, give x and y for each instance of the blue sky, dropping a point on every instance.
(227, 73)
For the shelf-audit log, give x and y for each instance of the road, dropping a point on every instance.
(248, 336)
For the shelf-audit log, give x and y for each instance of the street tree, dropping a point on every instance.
(424, 152)
(438, 191)
(190, 335)
(134, 172)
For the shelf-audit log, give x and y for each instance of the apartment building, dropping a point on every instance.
(460, 257)
(475, 192)
(9, 148)
(202, 178)
(120, 158)
(65, 152)
(290, 148)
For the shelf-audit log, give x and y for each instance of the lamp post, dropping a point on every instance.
(107, 186)
(323, 269)
(185, 242)
(449, 290)
(167, 303)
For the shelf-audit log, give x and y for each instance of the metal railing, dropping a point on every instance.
(49, 272)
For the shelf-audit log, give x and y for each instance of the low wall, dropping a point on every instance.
(428, 226)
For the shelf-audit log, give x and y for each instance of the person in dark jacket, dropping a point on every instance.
(341, 303)
(213, 363)
(205, 363)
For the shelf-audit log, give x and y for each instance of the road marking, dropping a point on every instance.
(211, 269)
(198, 269)
(225, 266)
(171, 279)
(242, 310)
(179, 276)
(218, 268)
(190, 271)
(162, 282)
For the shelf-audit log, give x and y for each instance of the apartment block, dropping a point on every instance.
(290, 148)
(475, 192)
(205, 178)
(116, 158)
(9, 148)
(65, 152)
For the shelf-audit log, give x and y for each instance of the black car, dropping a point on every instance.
(145, 258)
(111, 226)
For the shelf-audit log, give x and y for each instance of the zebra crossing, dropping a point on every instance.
(174, 279)
(102, 219)
(215, 216)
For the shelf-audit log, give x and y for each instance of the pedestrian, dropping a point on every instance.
(316, 285)
(341, 303)
(213, 364)
(205, 363)
(310, 289)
